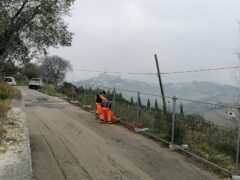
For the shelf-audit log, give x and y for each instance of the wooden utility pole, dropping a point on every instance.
(161, 86)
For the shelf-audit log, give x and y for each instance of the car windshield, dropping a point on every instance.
(8, 79)
(35, 79)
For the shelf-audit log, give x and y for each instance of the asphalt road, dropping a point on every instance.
(69, 143)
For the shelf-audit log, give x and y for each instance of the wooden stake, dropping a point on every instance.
(161, 86)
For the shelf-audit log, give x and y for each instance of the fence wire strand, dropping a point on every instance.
(204, 127)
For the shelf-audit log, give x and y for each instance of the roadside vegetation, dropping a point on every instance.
(24, 37)
(51, 90)
(6, 95)
(213, 143)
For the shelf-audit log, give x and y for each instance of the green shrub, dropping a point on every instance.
(213, 155)
(6, 91)
(21, 80)
(50, 89)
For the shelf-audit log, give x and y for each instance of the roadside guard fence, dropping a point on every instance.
(86, 95)
(206, 131)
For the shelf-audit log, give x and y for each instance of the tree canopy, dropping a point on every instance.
(55, 68)
(8, 68)
(29, 27)
(31, 70)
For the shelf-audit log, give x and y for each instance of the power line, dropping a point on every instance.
(202, 70)
(163, 73)
(169, 97)
(115, 72)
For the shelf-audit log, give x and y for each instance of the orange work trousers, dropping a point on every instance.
(108, 115)
(98, 108)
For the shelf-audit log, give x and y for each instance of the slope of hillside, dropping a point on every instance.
(207, 91)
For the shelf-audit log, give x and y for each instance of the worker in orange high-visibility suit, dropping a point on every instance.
(98, 105)
(108, 115)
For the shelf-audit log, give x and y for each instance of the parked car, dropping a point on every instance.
(10, 80)
(35, 83)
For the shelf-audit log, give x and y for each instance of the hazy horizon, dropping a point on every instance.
(147, 82)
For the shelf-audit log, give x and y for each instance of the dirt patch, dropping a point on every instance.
(3, 148)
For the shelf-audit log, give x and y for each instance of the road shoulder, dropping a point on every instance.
(15, 163)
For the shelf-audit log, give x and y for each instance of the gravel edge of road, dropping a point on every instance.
(16, 162)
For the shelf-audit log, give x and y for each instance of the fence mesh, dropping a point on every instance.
(209, 131)
(206, 130)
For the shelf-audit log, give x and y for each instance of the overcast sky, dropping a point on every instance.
(124, 35)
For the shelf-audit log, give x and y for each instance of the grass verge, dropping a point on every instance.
(6, 94)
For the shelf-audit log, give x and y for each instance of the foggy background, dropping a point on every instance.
(124, 36)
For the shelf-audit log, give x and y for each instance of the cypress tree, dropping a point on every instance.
(131, 101)
(181, 110)
(156, 105)
(148, 104)
(139, 101)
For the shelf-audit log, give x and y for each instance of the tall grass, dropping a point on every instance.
(51, 90)
(6, 91)
(6, 95)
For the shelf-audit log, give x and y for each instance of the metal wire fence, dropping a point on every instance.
(207, 131)
(210, 132)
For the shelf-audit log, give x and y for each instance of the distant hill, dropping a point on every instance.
(203, 91)
(194, 90)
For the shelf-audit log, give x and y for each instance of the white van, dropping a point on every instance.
(10, 80)
(35, 83)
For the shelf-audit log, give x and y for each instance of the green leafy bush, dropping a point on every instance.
(51, 90)
(6, 91)
(6, 95)
(21, 80)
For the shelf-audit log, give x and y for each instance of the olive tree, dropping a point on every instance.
(31, 70)
(29, 27)
(54, 69)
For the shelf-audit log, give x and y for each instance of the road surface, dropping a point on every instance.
(69, 143)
